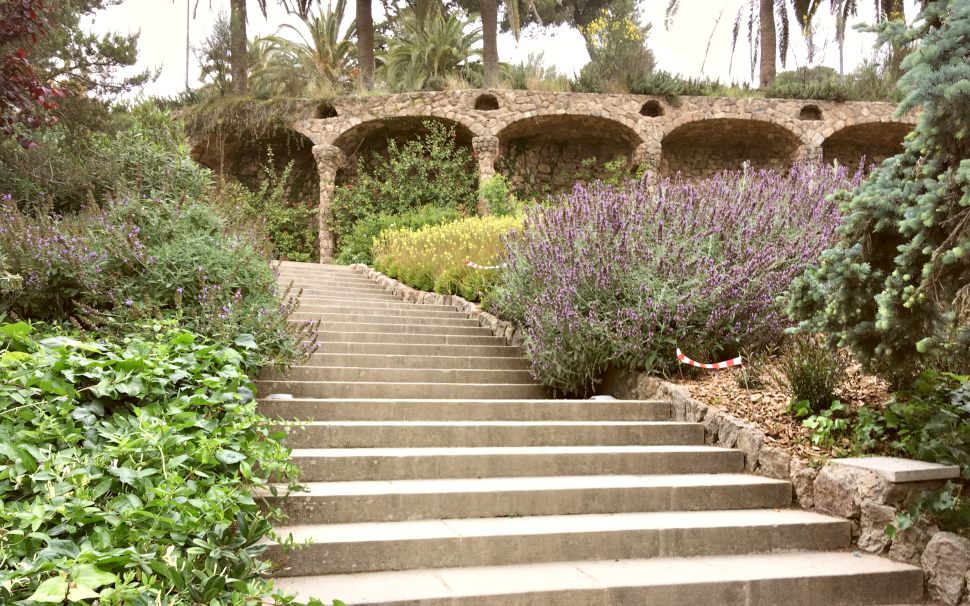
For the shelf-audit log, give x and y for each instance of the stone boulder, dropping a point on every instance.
(946, 563)
(840, 490)
(872, 532)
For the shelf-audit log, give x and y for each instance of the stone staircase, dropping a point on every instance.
(439, 474)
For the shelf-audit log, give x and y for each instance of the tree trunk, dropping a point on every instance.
(365, 44)
(769, 44)
(490, 41)
(238, 53)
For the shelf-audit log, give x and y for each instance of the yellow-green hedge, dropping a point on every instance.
(433, 257)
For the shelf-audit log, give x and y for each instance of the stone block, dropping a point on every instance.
(728, 432)
(909, 544)
(897, 470)
(946, 562)
(841, 490)
(803, 481)
(775, 463)
(874, 519)
(750, 441)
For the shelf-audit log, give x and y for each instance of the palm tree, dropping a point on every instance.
(427, 43)
(321, 64)
(365, 43)
(238, 51)
(768, 27)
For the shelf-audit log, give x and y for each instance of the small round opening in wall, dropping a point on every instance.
(652, 109)
(324, 111)
(810, 112)
(486, 103)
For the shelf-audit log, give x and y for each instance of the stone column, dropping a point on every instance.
(809, 152)
(486, 152)
(330, 159)
(646, 157)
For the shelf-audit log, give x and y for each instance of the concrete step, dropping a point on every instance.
(407, 361)
(339, 291)
(380, 309)
(345, 297)
(305, 281)
(410, 338)
(370, 319)
(421, 434)
(376, 307)
(443, 391)
(383, 546)
(388, 501)
(466, 410)
(789, 579)
(347, 464)
(406, 328)
(398, 375)
(497, 349)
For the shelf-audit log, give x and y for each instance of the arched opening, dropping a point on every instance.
(368, 141)
(325, 110)
(810, 112)
(874, 141)
(486, 103)
(545, 155)
(702, 148)
(652, 109)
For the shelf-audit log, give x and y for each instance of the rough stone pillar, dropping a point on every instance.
(330, 159)
(486, 151)
(646, 157)
(809, 152)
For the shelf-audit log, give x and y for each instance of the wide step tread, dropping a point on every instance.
(789, 579)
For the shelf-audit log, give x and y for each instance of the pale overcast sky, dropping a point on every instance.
(682, 49)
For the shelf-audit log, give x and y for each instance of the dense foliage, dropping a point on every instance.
(811, 372)
(136, 257)
(433, 257)
(357, 246)
(127, 468)
(895, 288)
(621, 276)
(429, 170)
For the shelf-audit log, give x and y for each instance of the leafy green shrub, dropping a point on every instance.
(828, 423)
(357, 246)
(811, 371)
(893, 288)
(291, 227)
(430, 170)
(127, 469)
(929, 421)
(498, 197)
(146, 258)
(433, 257)
(144, 152)
(665, 84)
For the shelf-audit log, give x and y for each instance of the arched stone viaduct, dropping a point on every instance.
(546, 134)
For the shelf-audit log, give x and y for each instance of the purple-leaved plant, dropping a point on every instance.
(621, 276)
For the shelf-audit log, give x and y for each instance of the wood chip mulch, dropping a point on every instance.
(764, 406)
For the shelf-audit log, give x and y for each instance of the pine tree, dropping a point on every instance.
(896, 289)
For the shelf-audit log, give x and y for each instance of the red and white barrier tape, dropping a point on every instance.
(725, 364)
(474, 265)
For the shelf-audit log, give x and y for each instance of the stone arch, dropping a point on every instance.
(550, 153)
(701, 148)
(324, 111)
(364, 139)
(652, 109)
(875, 141)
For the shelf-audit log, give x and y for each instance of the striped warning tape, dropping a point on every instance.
(474, 265)
(725, 364)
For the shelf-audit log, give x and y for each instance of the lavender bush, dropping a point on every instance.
(621, 276)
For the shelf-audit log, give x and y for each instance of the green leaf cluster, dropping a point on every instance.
(429, 170)
(128, 467)
(896, 287)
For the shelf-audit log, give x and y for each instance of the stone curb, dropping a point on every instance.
(500, 328)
